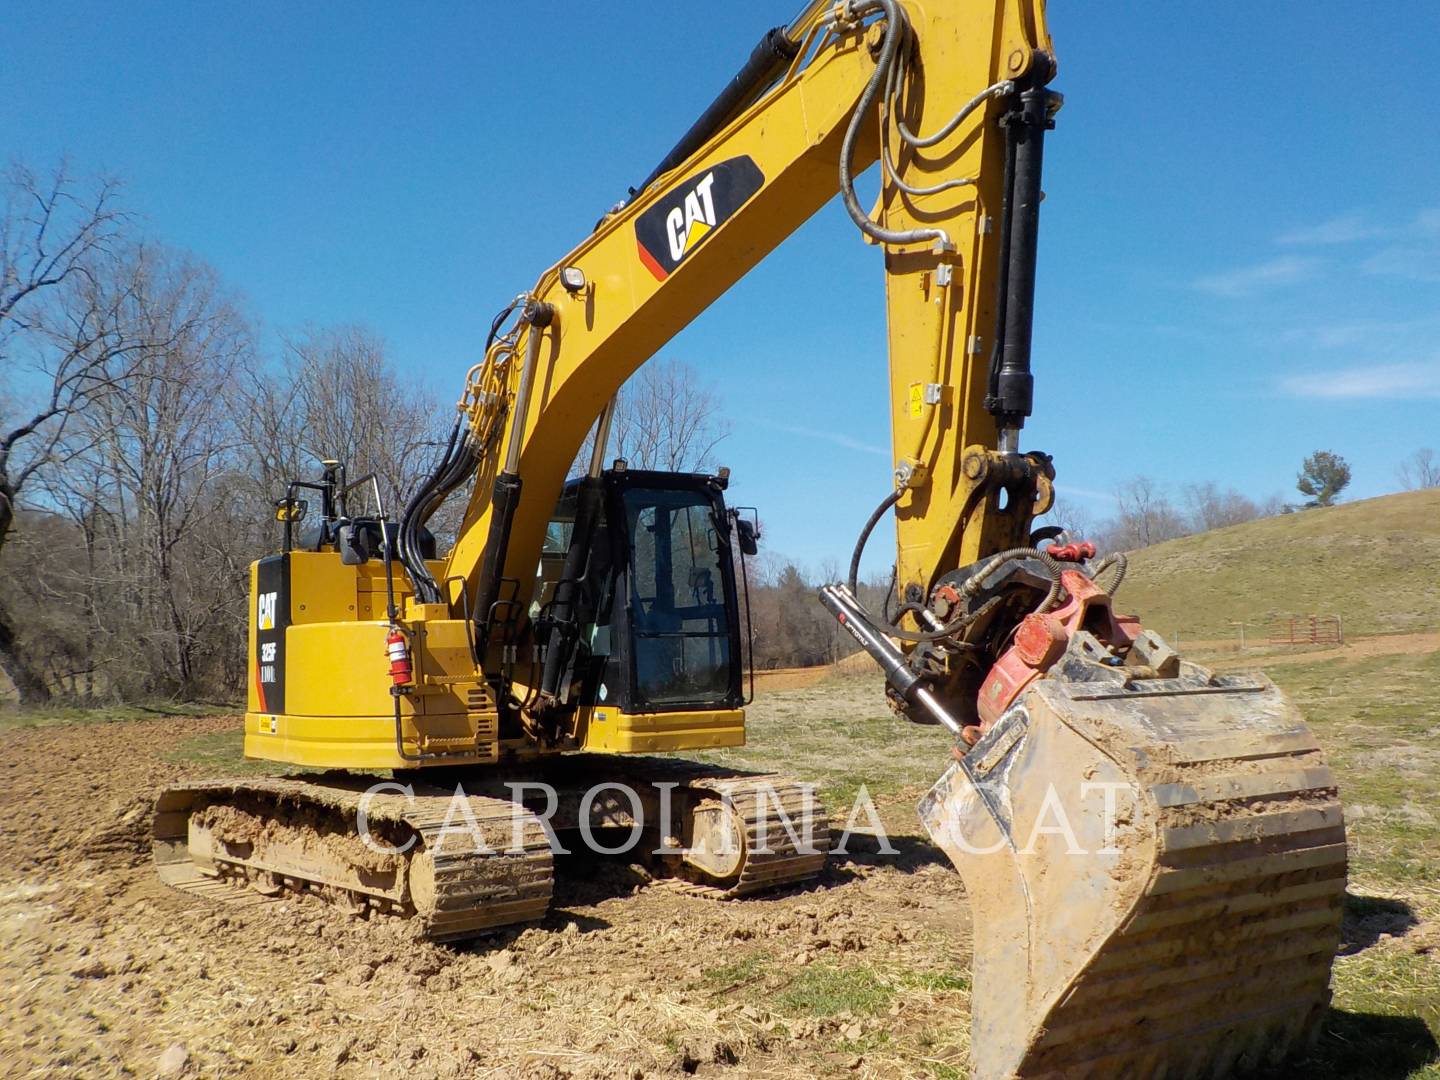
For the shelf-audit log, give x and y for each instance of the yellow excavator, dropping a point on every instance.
(1155, 854)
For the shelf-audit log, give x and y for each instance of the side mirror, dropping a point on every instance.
(291, 509)
(747, 535)
(353, 545)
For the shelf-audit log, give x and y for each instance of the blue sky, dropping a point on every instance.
(1240, 248)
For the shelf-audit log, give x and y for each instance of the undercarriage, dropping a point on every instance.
(465, 858)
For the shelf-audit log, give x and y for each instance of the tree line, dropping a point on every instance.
(144, 435)
(146, 430)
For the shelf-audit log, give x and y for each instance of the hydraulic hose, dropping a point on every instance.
(505, 496)
(499, 321)
(947, 630)
(971, 586)
(896, 28)
(972, 583)
(891, 107)
(456, 465)
(408, 534)
(889, 627)
(1117, 563)
(999, 89)
(885, 504)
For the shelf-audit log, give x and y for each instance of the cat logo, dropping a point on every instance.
(677, 224)
(265, 605)
(685, 228)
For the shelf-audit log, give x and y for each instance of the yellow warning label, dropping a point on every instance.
(917, 400)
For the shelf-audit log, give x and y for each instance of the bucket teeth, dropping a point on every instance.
(1157, 872)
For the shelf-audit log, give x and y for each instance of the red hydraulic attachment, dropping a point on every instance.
(1082, 549)
(1041, 639)
(396, 647)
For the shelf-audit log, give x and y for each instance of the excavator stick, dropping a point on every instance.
(1156, 869)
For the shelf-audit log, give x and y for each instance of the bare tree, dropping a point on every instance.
(1274, 504)
(759, 576)
(148, 439)
(1419, 470)
(50, 230)
(56, 331)
(1071, 517)
(337, 397)
(1145, 516)
(668, 418)
(802, 633)
(1212, 508)
(52, 237)
(149, 462)
(44, 582)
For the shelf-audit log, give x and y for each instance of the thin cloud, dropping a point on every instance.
(1410, 263)
(1070, 491)
(1379, 381)
(1248, 280)
(1362, 333)
(835, 437)
(1347, 229)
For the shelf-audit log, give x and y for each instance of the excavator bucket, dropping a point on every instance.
(1156, 869)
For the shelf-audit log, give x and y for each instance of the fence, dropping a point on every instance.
(1308, 630)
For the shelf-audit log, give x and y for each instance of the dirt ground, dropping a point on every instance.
(107, 972)
(865, 973)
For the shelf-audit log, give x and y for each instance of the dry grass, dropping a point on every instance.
(839, 733)
(1376, 563)
(15, 717)
(1379, 718)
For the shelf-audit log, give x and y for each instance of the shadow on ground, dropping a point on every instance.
(1364, 1046)
(906, 853)
(1368, 918)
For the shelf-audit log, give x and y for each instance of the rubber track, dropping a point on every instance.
(468, 889)
(772, 807)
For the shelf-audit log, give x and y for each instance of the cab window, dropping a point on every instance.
(678, 620)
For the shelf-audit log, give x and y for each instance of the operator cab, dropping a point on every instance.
(656, 625)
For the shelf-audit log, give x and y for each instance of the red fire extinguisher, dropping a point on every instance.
(398, 650)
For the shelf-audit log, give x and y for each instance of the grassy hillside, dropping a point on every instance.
(1375, 563)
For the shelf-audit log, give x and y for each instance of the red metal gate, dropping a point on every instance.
(1308, 630)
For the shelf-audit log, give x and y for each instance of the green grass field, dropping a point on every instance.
(1380, 721)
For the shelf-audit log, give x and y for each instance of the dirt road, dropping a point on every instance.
(104, 971)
